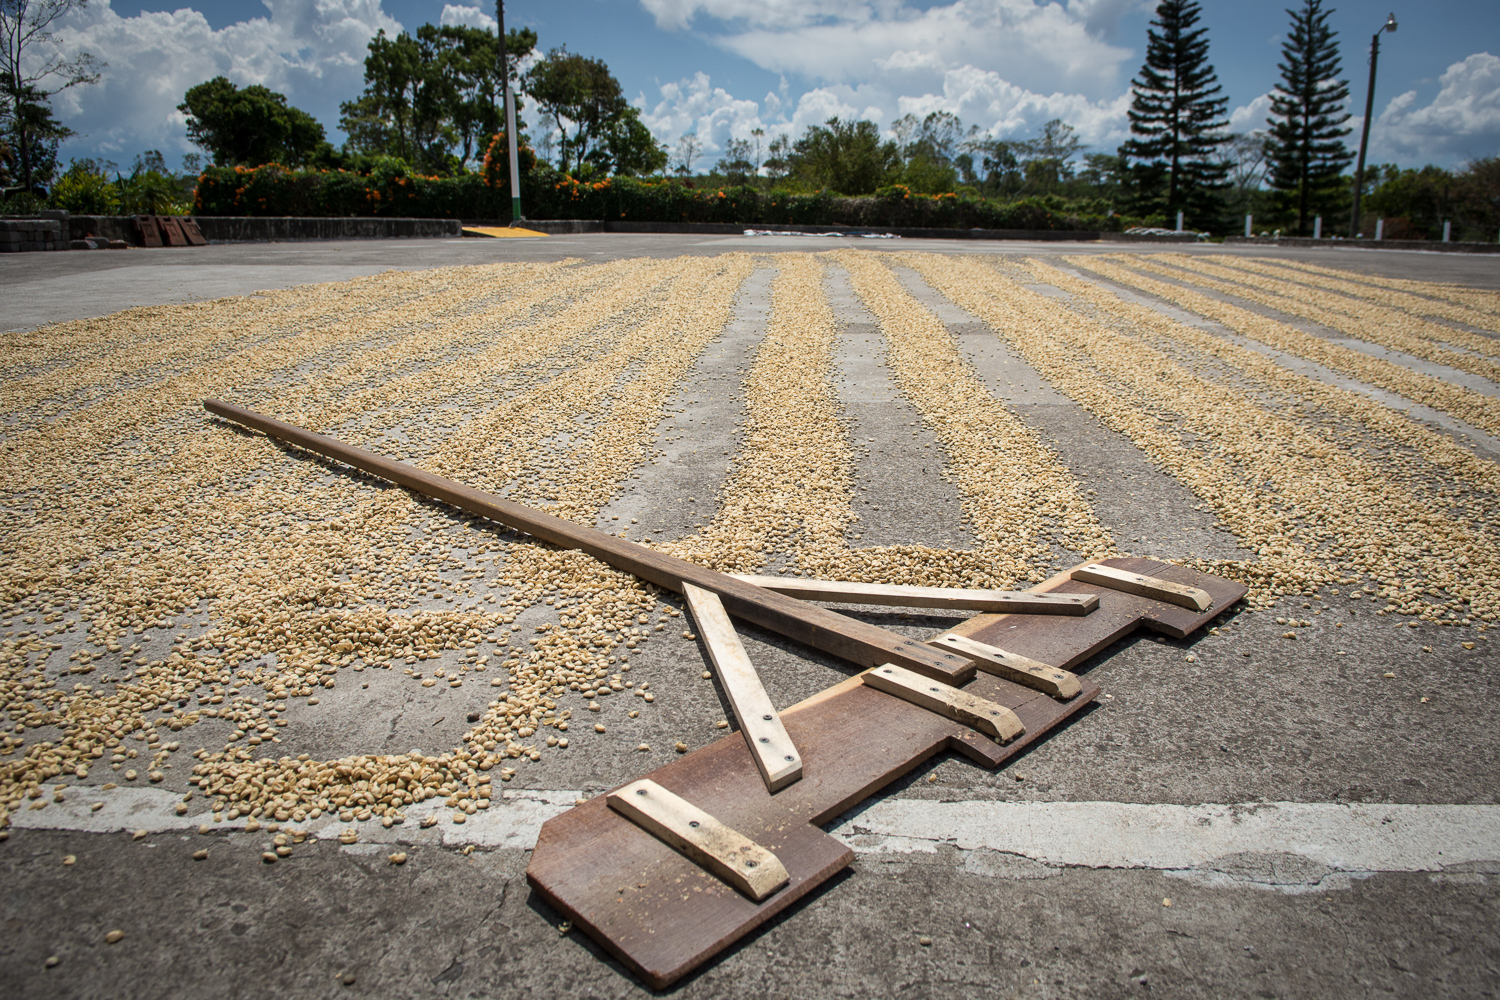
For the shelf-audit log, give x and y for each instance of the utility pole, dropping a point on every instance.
(510, 116)
(1364, 132)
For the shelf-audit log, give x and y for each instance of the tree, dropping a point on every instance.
(1476, 192)
(1247, 166)
(929, 148)
(688, 148)
(580, 93)
(777, 164)
(847, 157)
(29, 64)
(627, 147)
(736, 164)
(1176, 116)
(1000, 163)
(1049, 157)
(433, 98)
(1306, 149)
(252, 126)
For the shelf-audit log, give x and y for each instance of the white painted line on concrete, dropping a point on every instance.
(1338, 837)
(514, 821)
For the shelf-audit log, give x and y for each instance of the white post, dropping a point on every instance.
(1249, 227)
(1380, 229)
(515, 162)
(1179, 222)
(1317, 227)
(1447, 230)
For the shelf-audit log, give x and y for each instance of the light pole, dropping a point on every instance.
(1364, 132)
(510, 116)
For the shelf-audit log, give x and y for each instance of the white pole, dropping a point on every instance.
(1380, 229)
(1447, 230)
(1317, 227)
(1179, 222)
(1249, 227)
(515, 162)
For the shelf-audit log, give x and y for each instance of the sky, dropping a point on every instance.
(721, 68)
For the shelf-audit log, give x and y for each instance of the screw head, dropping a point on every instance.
(765, 739)
(693, 823)
(640, 791)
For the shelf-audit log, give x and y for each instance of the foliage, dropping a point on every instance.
(1416, 203)
(628, 148)
(85, 190)
(1306, 147)
(581, 92)
(847, 157)
(1476, 192)
(496, 168)
(930, 150)
(1176, 118)
(150, 189)
(688, 148)
(254, 125)
(33, 132)
(735, 163)
(29, 64)
(393, 190)
(431, 98)
(1016, 168)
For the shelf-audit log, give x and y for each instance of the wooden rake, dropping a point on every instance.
(671, 869)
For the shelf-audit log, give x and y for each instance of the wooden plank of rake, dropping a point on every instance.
(836, 634)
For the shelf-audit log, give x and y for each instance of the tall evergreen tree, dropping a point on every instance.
(1176, 115)
(1306, 148)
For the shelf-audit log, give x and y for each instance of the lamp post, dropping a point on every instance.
(510, 116)
(1364, 132)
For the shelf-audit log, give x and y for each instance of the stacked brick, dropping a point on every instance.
(18, 235)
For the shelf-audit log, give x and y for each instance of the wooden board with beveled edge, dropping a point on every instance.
(1066, 642)
(662, 916)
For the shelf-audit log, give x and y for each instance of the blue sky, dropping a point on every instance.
(723, 67)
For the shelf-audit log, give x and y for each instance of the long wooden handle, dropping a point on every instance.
(856, 641)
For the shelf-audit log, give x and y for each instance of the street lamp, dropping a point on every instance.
(508, 99)
(1364, 132)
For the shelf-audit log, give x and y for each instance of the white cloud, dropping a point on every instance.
(1462, 122)
(696, 105)
(311, 50)
(676, 15)
(979, 97)
(474, 17)
(1248, 117)
(1040, 46)
(1004, 110)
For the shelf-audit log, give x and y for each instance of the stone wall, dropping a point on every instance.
(21, 235)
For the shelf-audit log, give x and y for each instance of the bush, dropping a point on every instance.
(84, 190)
(391, 189)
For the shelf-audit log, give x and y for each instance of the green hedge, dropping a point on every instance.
(393, 190)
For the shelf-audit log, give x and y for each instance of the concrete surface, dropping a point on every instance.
(46, 288)
(1261, 825)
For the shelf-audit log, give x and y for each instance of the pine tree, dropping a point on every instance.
(1306, 147)
(1177, 114)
